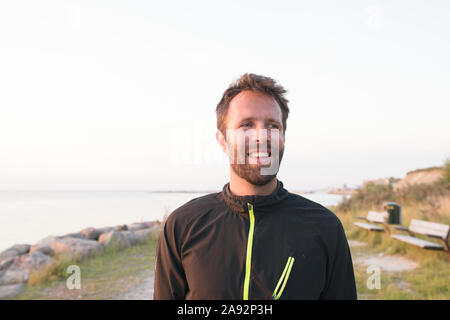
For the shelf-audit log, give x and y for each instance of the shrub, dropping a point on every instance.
(446, 174)
(373, 196)
(369, 196)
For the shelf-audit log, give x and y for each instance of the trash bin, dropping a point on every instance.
(394, 211)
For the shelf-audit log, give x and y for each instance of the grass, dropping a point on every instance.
(430, 280)
(105, 276)
(446, 174)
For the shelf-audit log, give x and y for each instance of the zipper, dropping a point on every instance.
(248, 261)
(283, 279)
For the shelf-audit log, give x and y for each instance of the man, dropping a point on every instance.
(253, 240)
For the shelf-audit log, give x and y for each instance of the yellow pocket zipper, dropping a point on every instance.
(283, 279)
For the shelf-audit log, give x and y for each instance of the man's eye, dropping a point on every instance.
(246, 124)
(274, 126)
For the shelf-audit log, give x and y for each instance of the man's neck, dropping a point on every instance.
(242, 187)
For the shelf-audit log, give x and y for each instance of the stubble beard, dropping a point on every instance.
(252, 172)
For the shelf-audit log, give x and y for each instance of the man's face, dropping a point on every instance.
(254, 136)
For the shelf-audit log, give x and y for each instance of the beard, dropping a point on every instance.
(252, 173)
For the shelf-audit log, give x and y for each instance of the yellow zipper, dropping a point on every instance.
(248, 262)
(283, 279)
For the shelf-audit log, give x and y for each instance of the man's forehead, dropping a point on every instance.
(254, 105)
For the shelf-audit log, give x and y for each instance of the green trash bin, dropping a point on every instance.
(394, 211)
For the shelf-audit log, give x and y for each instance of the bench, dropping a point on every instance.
(375, 217)
(430, 229)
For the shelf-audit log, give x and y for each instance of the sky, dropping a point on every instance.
(121, 95)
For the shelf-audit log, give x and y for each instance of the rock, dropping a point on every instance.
(32, 261)
(149, 224)
(91, 233)
(47, 250)
(137, 226)
(14, 251)
(9, 291)
(105, 230)
(75, 247)
(47, 241)
(22, 248)
(114, 237)
(131, 236)
(14, 276)
(77, 235)
(123, 227)
(5, 263)
(44, 246)
(19, 270)
(144, 234)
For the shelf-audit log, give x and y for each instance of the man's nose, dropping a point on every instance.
(261, 135)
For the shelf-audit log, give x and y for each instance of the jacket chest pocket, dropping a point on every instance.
(284, 278)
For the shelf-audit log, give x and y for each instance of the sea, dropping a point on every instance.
(29, 216)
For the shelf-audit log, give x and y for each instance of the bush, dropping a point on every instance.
(370, 196)
(446, 174)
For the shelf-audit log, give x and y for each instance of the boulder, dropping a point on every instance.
(14, 251)
(122, 227)
(32, 261)
(44, 246)
(105, 230)
(144, 234)
(132, 237)
(149, 224)
(9, 291)
(91, 233)
(6, 262)
(77, 235)
(115, 237)
(19, 270)
(75, 247)
(47, 241)
(137, 226)
(47, 250)
(13, 276)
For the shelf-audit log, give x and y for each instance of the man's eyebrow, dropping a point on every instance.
(253, 118)
(247, 119)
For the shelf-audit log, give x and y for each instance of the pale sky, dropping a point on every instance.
(121, 95)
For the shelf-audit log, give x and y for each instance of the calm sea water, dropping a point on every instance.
(28, 216)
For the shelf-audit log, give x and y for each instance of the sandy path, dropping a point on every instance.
(388, 263)
(391, 263)
(142, 292)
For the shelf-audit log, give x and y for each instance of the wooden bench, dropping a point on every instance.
(375, 217)
(430, 229)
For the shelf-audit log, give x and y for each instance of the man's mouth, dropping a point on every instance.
(260, 158)
(259, 155)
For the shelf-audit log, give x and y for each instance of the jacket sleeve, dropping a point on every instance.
(170, 279)
(340, 277)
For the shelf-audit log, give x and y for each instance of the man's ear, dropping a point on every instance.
(221, 140)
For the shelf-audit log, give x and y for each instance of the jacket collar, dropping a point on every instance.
(239, 205)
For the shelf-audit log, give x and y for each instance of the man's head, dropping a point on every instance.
(251, 123)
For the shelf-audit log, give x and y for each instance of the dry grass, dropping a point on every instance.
(105, 276)
(431, 280)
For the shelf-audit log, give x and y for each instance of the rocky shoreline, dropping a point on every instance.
(18, 261)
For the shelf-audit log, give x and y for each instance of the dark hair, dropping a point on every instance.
(250, 81)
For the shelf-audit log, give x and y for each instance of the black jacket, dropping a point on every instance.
(279, 246)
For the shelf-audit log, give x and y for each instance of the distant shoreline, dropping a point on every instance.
(321, 191)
